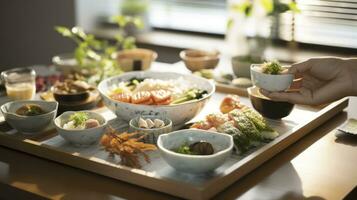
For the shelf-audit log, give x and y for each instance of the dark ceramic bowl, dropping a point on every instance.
(267, 107)
(76, 97)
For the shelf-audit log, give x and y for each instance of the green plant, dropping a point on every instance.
(134, 7)
(271, 7)
(99, 55)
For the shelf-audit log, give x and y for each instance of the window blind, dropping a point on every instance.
(323, 22)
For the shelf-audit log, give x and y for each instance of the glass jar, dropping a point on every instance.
(20, 83)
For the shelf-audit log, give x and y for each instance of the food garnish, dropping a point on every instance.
(80, 121)
(127, 146)
(272, 67)
(30, 110)
(197, 148)
(248, 127)
(155, 92)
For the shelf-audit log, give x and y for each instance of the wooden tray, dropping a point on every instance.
(158, 175)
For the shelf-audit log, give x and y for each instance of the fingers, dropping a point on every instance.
(301, 67)
(297, 83)
(304, 96)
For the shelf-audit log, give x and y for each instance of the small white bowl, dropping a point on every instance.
(81, 137)
(222, 144)
(270, 82)
(29, 124)
(153, 133)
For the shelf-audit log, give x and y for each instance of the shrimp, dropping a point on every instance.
(230, 103)
(217, 119)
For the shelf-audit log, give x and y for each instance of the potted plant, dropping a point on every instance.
(246, 27)
(94, 58)
(136, 8)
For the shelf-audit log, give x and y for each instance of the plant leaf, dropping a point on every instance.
(64, 31)
(268, 5)
(79, 32)
(129, 43)
(230, 23)
(293, 7)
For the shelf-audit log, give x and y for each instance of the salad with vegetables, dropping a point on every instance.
(149, 91)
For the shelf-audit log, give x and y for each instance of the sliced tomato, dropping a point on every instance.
(123, 97)
(140, 97)
(161, 96)
(166, 102)
(148, 102)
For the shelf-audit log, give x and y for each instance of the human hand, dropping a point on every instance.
(319, 81)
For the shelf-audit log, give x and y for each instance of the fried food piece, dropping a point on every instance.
(256, 118)
(217, 119)
(204, 125)
(241, 141)
(127, 146)
(244, 124)
(230, 103)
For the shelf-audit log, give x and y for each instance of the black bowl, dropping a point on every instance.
(267, 107)
(75, 97)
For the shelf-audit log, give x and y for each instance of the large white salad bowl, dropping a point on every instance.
(179, 114)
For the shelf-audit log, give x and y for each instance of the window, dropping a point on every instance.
(323, 22)
(207, 16)
(326, 22)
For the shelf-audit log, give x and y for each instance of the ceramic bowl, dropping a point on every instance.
(81, 137)
(75, 97)
(29, 124)
(196, 60)
(151, 135)
(267, 107)
(241, 65)
(67, 64)
(222, 144)
(179, 114)
(269, 82)
(127, 59)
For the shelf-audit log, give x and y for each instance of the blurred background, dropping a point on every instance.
(235, 27)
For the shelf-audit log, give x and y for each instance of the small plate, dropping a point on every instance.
(350, 127)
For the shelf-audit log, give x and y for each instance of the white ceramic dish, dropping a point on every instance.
(83, 137)
(222, 144)
(179, 114)
(269, 82)
(29, 124)
(151, 134)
